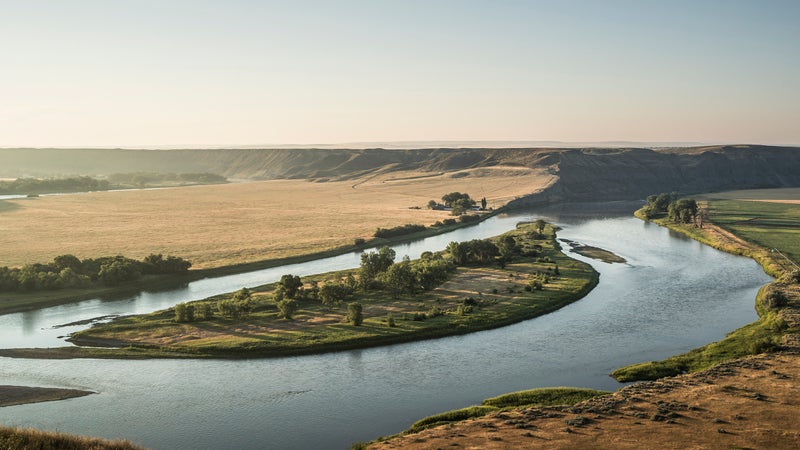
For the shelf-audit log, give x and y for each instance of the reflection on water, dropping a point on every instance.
(673, 295)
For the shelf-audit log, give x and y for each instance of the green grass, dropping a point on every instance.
(317, 328)
(543, 397)
(456, 415)
(770, 225)
(529, 398)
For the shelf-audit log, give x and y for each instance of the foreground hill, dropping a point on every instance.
(747, 403)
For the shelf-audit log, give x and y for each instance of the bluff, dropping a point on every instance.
(590, 174)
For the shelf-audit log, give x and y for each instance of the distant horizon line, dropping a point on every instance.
(398, 145)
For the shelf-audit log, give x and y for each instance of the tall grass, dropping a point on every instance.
(31, 439)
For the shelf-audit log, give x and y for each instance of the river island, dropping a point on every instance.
(470, 286)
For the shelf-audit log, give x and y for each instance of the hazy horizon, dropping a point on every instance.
(200, 74)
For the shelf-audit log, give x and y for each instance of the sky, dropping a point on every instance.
(235, 72)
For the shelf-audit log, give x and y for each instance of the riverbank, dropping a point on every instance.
(776, 324)
(20, 395)
(745, 403)
(27, 438)
(20, 302)
(475, 297)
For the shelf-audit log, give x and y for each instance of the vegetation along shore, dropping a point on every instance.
(470, 286)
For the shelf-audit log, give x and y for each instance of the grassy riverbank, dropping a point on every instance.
(751, 229)
(475, 297)
(22, 438)
(13, 302)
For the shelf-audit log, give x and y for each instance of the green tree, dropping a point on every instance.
(354, 314)
(291, 285)
(400, 278)
(459, 251)
(375, 263)
(483, 203)
(180, 312)
(287, 308)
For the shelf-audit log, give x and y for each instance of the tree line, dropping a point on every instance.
(68, 271)
(35, 186)
(676, 209)
(27, 186)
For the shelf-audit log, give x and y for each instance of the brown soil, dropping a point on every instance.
(20, 395)
(747, 403)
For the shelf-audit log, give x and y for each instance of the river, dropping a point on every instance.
(674, 294)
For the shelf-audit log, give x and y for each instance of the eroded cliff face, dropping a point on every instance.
(584, 174)
(629, 174)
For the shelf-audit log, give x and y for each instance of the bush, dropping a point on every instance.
(354, 314)
(775, 300)
(390, 320)
(358, 242)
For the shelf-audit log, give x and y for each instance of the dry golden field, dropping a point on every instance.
(227, 224)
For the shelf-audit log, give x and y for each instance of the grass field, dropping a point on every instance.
(499, 296)
(771, 224)
(221, 225)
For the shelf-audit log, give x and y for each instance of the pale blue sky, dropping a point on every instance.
(147, 73)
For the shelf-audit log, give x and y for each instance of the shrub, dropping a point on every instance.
(775, 300)
(359, 241)
(390, 320)
(354, 313)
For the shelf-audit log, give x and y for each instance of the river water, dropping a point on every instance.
(674, 294)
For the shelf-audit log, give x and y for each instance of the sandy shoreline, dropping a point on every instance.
(20, 395)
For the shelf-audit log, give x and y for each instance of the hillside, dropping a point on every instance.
(584, 174)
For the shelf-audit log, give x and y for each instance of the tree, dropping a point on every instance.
(400, 278)
(682, 211)
(354, 314)
(287, 308)
(291, 285)
(180, 312)
(375, 263)
(459, 252)
(540, 224)
(331, 293)
(432, 204)
(507, 246)
(67, 262)
(483, 203)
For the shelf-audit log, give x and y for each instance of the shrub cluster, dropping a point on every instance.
(49, 185)
(401, 230)
(68, 271)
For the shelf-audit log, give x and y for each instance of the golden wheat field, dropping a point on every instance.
(243, 222)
